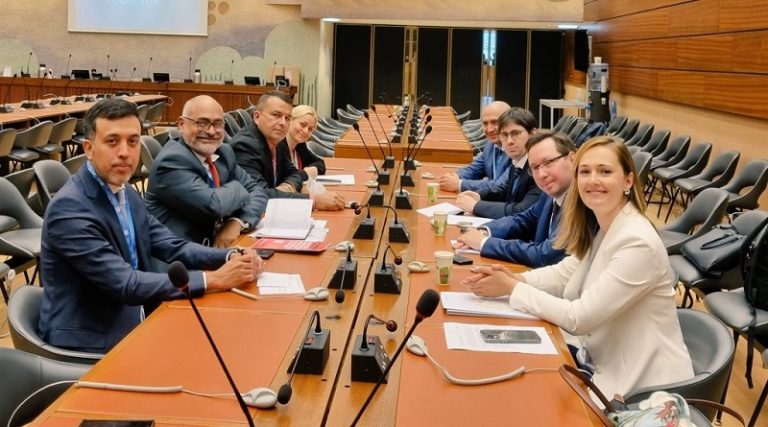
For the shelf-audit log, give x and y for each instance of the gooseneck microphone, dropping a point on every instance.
(286, 391)
(384, 131)
(391, 326)
(382, 175)
(149, 70)
(179, 277)
(409, 161)
(397, 260)
(29, 58)
(370, 123)
(397, 230)
(386, 278)
(109, 69)
(367, 227)
(132, 73)
(66, 73)
(190, 69)
(426, 306)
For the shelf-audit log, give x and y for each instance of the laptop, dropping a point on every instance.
(161, 77)
(81, 74)
(252, 81)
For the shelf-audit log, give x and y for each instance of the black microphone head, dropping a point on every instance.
(391, 325)
(285, 393)
(398, 260)
(178, 274)
(428, 119)
(339, 296)
(150, 58)
(358, 209)
(134, 68)
(373, 108)
(427, 130)
(427, 303)
(356, 126)
(366, 115)
(427, 110)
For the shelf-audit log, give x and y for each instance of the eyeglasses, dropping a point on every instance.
(509, 135)
(546, 164)
(205, 124)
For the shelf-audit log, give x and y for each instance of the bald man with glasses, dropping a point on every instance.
(196, 187)
(526, 238)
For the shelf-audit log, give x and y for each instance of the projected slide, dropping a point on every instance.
(176, 17)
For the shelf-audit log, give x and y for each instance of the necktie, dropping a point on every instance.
(214, 172)
(516, 176)
(554, 218)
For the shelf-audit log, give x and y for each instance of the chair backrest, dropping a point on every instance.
(63, 131)
(346, 117)
(231, 125)
(711, 348)
(704, 212)
(568, 124)
(642, 136)
(243, 117)
(36, 136)
(755, 175)
(23, 318)
(22, 181)
(155, 112)
(629, 129)
(722, 168)
(560, 123)
(658, 142)
(73, 164)
(23, 374)
(319, 149)
(616, 125)
(695, 160)
(50, 176)
(463, 116)
(142, 109)
(577, 129)
(150, 148)
(354, 110)
(7, 138)
(642, 162)
(676, 150)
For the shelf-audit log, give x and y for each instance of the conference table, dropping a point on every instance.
(258, 340)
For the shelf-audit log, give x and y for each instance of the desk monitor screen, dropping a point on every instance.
(252, 81)
(282, 81)
(81, 74)
(161, 77)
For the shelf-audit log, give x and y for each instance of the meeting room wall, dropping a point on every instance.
(245, 38)
(695, 67)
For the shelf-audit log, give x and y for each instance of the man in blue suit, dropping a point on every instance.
(526, 238)
(489, 169)
(519, 191)
(98, 240)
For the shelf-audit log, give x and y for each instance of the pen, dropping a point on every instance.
(321, 179)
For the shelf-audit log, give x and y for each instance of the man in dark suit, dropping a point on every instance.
(258, 151)
(526, 237)
(196, 187)
(98, 240)
(519, 192)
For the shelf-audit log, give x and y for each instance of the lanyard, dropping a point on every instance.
(125, 217)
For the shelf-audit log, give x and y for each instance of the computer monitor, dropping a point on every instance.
(282, 81)
(81, 74)
(252, 81)
(161, 77)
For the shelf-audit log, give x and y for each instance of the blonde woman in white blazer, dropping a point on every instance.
(614, 292)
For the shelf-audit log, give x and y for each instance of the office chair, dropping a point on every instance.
(720, 171)
(755, 175)
(658, 142)
(705, 211)
(50, 176)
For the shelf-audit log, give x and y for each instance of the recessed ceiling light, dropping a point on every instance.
(568, 26)
(331, 19)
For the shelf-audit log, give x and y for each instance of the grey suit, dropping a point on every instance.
(181, 196)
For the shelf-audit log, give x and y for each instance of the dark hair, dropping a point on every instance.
(563, 144)
(285, 97)
(518, 116)
(111, 109)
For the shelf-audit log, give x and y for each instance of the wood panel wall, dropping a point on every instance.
(711, 54)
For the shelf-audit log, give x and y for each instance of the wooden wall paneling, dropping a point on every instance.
(735, 52)
(614, 8)
(690, 18)
(728, 92)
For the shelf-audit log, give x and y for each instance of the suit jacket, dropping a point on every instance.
(526, 237)
(619, 302)
(307, 159)
(253, 155)
(92, 296)
(180, 196)
(517, 194)
(487, 171)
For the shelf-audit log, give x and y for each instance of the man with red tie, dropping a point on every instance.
(196, 187)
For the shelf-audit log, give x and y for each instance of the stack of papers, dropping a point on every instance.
(336, 179)
(467, 304)
(440, 207)
(286, 219)
(279, 284)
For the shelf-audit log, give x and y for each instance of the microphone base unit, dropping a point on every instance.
(368, 365)
(387, 280)
(188, 81)
(402, 201)
(347, 270)
(398, 233)
(146, 79)
(406, 180)
(409, 165)
(32, 105)
(396, 138)
(377, 198)
(104, 95)
(389, 162)
(314, 355)
(65, 77)
(383, 178)
(229, 82)
(6, 108)
(366, 230)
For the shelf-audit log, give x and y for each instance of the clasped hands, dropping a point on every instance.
(491, 281)
(243, 267)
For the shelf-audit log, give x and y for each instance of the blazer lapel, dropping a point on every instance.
(93, 191)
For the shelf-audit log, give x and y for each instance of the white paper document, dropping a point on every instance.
(319, 231)
(286, 219)
(468, 304)
(328, 180)
(446, 207)
(279, 284)
(498, 338)
(475, 220)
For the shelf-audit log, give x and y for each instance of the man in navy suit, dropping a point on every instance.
(488, 169)
(526, 237)
(196, 188)
(98, 241)
(519, 192)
